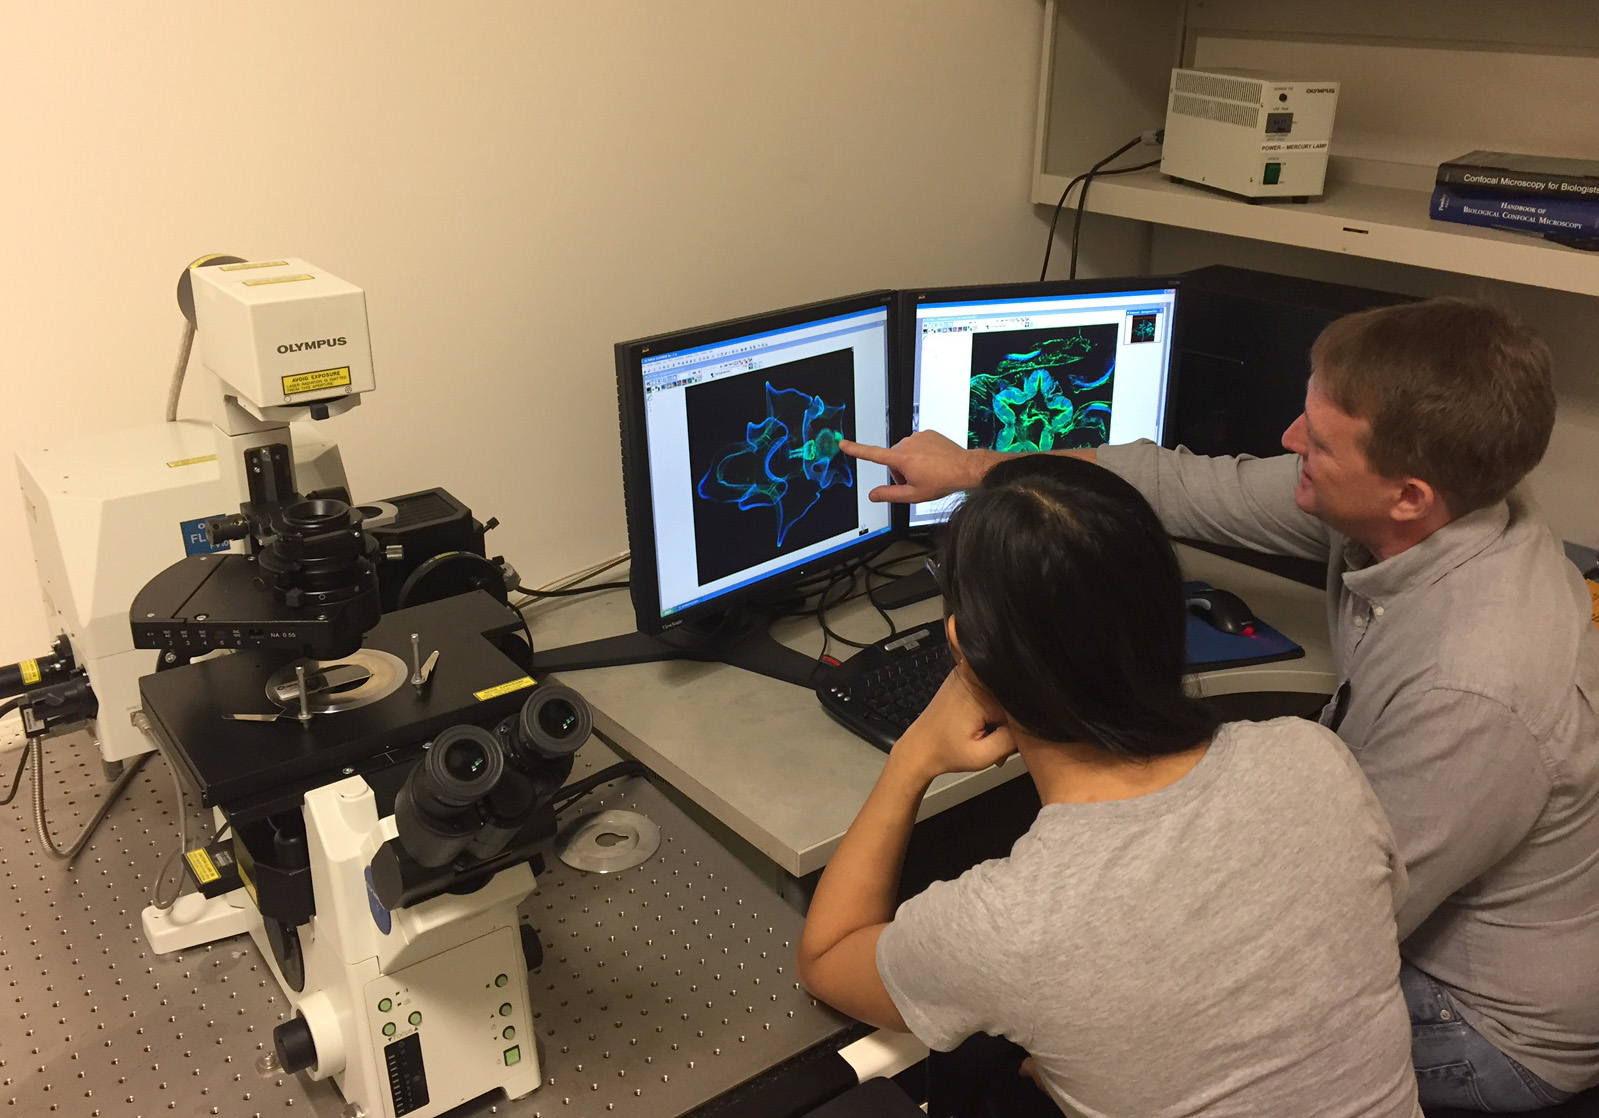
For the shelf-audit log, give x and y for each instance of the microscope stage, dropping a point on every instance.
(239, 764)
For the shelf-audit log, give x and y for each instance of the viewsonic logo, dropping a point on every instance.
(319, 343)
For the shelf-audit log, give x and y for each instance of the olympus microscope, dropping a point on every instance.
(380, 763)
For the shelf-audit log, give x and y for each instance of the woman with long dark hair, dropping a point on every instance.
(1200, 921)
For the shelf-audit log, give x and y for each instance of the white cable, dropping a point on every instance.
(178, 373)
(183, 839)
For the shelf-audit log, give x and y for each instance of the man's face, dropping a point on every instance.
(1336, 482)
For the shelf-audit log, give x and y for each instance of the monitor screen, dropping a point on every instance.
(735, 485)
(1035, 367)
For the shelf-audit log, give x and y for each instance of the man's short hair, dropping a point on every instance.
(1457, 391)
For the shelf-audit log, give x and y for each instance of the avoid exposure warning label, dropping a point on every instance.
(300, 383)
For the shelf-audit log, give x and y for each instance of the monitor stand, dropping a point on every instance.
(738, 637)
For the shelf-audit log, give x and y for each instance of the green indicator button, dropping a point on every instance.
(385, 1005)
(501, 979)
(1273, 175)
(388, 1028)
(513, 1055)
(415, 1018)
(510, 1032)
(505, 1010)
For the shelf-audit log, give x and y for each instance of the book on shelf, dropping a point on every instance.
(1558, 216)
(1504, 172)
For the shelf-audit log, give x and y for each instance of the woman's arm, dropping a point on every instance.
(854, 901)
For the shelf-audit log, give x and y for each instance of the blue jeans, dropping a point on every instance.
(1455, 1064)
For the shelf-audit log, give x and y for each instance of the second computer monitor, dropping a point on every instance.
(1037, 367)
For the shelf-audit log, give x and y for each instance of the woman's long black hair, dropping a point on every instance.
(1069, 608)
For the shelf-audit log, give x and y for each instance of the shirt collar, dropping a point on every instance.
(1426, 562)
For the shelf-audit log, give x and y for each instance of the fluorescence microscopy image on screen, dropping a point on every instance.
(769, 477)
(1034, 390)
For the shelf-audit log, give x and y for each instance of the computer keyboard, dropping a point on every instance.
(878, 692)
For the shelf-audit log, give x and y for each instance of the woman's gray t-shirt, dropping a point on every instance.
(1223, 946)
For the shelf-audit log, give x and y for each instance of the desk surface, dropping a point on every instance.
(764, 758)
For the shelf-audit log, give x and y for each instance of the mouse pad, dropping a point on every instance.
(1211, 649)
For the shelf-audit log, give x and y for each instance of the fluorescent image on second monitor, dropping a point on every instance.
(1039, 373)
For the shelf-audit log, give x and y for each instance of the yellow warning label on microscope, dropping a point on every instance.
(503, 689)
(30, 672)
(277, 279)
(315, 382)
(204, 869)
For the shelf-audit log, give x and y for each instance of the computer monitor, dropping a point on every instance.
(734, 484)
(1038, 366)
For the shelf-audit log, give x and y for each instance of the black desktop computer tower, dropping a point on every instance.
(1243, 354)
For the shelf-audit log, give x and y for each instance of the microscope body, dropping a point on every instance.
(388, 771)
(410, 1011)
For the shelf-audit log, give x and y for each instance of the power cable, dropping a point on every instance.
(1087, 176)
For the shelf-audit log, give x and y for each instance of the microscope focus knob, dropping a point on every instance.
(295, 1048)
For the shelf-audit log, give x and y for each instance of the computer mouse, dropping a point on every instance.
(1222, 610)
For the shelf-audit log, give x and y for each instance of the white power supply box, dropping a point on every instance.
(1249, 133)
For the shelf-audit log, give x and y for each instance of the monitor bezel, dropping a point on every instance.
(637, 490)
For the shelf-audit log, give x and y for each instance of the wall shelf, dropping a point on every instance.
(1377, 222)
(1420, 83)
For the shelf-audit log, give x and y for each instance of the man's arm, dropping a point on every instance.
(1459, 778)
(854, 900)
(1246, 502)
(926, 466)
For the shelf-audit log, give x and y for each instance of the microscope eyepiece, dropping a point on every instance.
(553, 723)
(437, 810)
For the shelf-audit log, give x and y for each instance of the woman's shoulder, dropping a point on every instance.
(1293, 755)
(1275, 732)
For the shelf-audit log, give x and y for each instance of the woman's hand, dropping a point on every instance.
(962, 730)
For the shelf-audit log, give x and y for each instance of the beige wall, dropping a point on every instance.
(517, 186)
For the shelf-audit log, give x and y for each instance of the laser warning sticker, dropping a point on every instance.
(299, 383)
(203, 868)
(251, 264)
(503, 689)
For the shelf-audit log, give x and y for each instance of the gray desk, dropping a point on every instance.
(764, 759)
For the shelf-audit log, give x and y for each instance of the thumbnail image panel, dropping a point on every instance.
(1034, 390)
(769, 478)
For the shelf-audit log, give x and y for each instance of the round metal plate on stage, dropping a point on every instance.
(387, 673)
(608, 841)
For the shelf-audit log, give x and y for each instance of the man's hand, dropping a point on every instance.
(923, 467)
(962, 730)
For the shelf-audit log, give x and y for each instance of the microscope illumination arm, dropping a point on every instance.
(279, 340)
